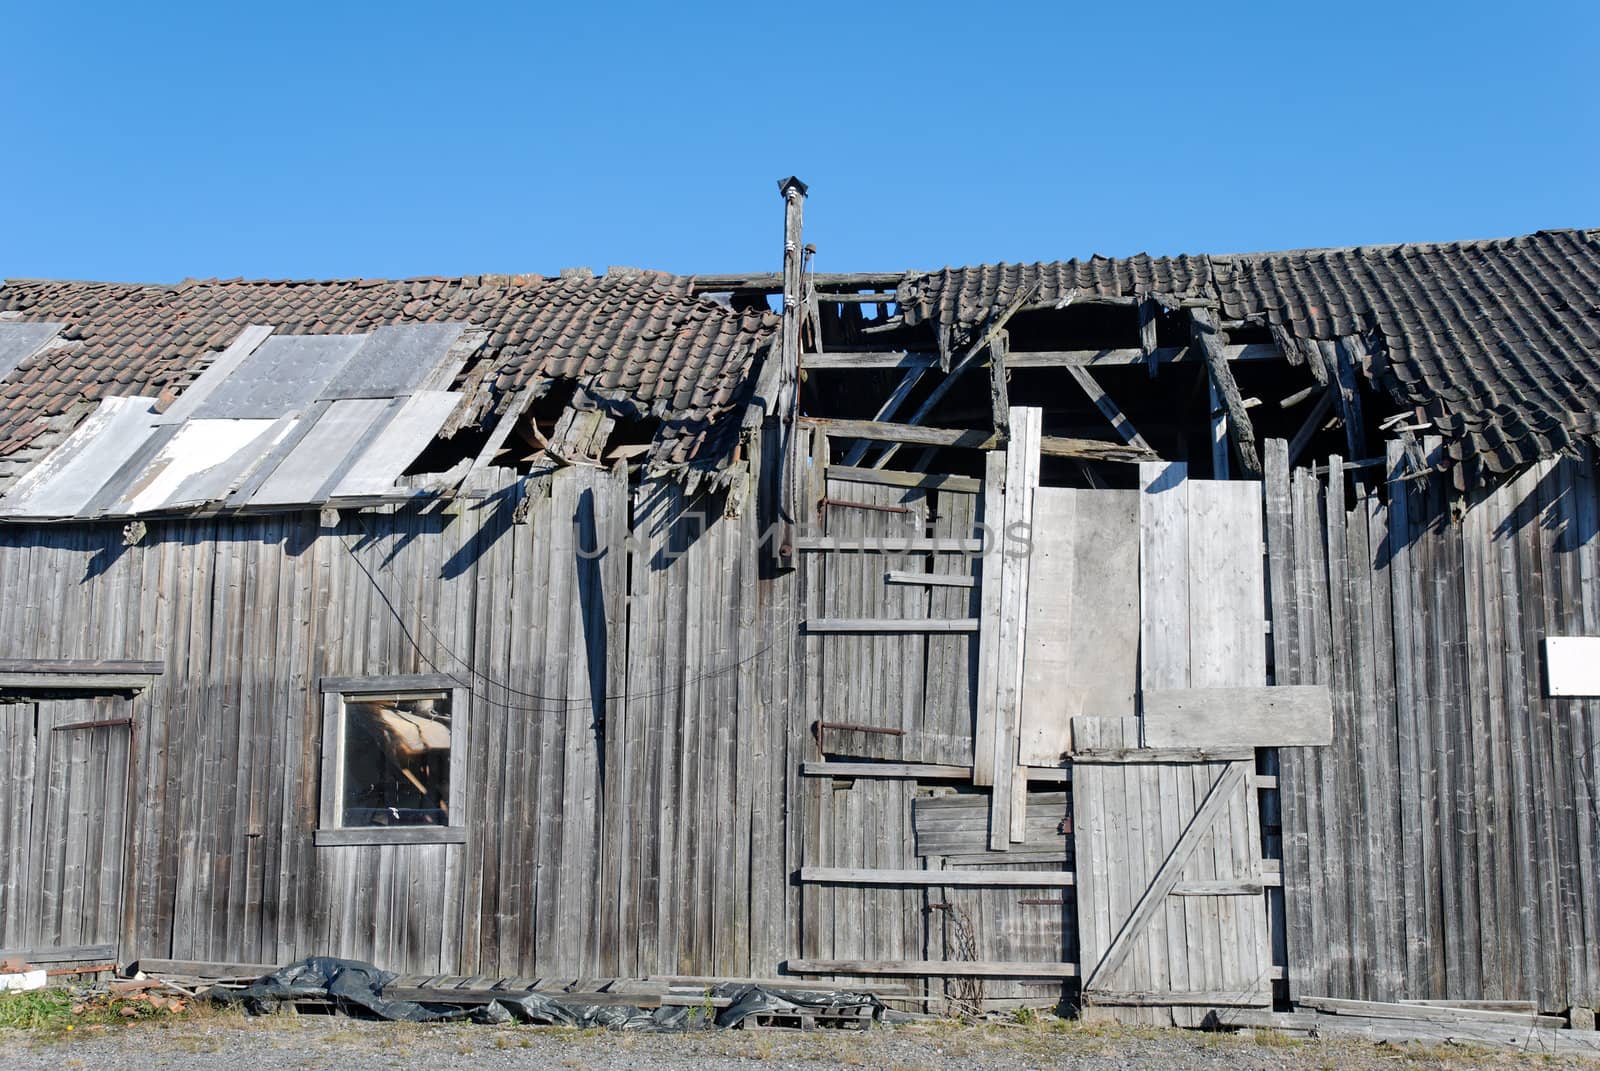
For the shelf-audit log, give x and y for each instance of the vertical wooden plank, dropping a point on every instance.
(990, 584)
(1164, 613)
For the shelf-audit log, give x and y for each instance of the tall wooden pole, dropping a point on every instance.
(794, 196)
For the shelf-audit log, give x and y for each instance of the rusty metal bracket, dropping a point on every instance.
(843, 503)
(106, 724)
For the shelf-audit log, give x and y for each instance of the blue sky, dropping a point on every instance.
(158, 141)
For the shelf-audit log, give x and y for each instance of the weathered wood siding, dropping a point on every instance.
(626, 774)
(1446, 845)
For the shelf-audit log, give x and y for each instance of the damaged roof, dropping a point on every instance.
(1497, 340)
(637, 343)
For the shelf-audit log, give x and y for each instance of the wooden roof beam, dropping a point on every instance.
(1113, 412)
(974, 439)
(997, 325)
(900, 358)
(772, 281)
(1205, 336)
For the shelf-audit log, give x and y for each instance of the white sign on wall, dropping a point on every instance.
(1572, 665)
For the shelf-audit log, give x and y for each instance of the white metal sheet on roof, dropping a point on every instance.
(322, 457)
(283, 374)
(399, 443)
(67, 479)
(18, 342)
(200, 464)
(394, 360)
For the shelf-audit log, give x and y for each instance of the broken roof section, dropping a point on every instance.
(300, 392)
(1497, 340)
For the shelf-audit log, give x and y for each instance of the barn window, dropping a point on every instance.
(391, 757)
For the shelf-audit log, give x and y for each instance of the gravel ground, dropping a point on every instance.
(230, 1042)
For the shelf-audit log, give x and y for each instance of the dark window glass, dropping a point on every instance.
(396, 761)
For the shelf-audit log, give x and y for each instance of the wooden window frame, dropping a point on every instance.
(335, 690)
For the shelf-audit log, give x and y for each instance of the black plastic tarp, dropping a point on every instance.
(356, 988)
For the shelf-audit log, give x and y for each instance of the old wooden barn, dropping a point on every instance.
(1156, 635)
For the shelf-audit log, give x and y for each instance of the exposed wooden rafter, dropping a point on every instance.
(900, 358)
(997, 324)
(975, 439)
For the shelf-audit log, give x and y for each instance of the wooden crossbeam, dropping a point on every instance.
(892, 624)
(975, 439)
(898, 771)
(934, 968)
(1020, 879)
(932, 580)
(895, 478)
(844, 360)
(1112, 411)
(997, 324)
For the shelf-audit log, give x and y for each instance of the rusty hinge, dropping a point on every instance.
(844, 727)
(844, 503)
(106, 724)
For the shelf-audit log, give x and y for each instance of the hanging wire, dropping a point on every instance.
(546, 704)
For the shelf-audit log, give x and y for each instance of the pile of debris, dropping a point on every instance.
(1508, 1024)
(18, 973)
(326, 984)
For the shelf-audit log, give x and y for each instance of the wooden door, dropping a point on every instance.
(1171, 883)
(63, 808)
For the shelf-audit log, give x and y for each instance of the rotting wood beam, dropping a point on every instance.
(1113, 412)
(976, 439)
(845, 360)
(772, 282)
(1203, 333)
(1346, 390)
(1147, 333)
(502, 430)
(999, 401)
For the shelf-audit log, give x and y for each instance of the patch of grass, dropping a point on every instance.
(56, 1013)
(1268, 1038)
(36, 1009)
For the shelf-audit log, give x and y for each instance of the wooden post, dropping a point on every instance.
(794, 195)
(1147, 333)
(1219, 430)
(997, 382)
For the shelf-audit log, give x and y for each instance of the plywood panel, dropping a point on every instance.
(1217, 718)
(1083, 615)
